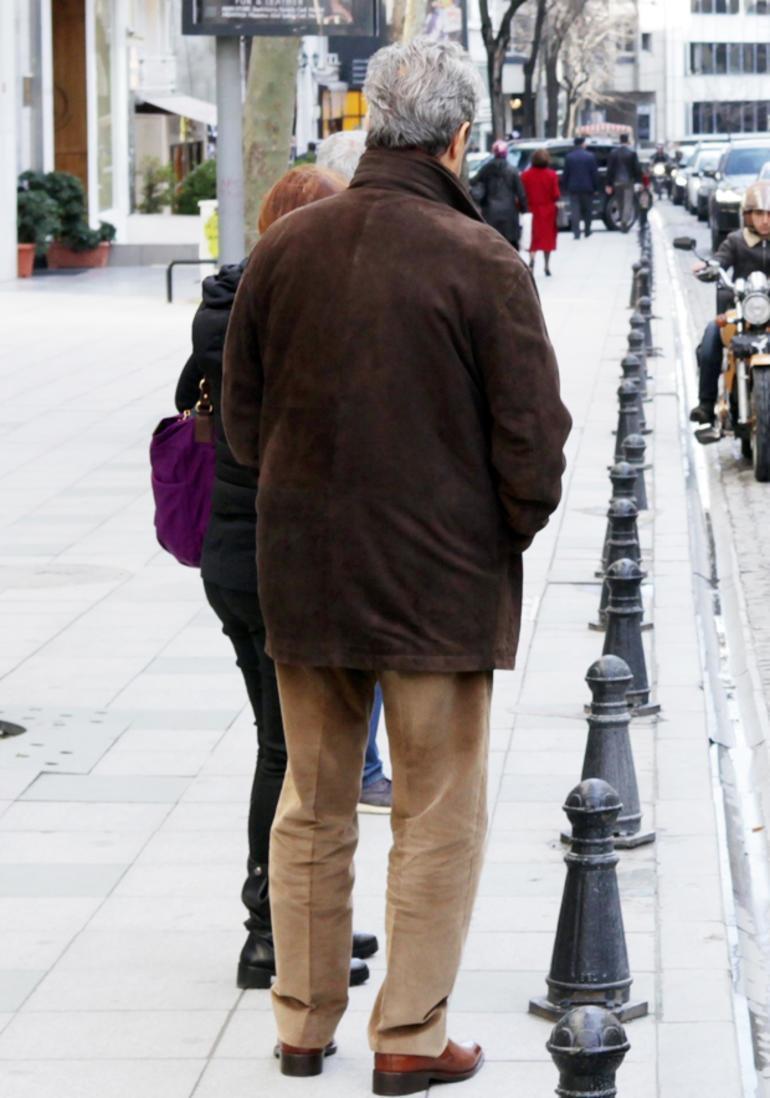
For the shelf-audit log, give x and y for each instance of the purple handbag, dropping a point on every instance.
(182, 462)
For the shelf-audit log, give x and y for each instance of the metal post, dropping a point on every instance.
(232, 245)
(8, 109)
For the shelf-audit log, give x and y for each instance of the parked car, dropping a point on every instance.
(605, 207)
(685, 151)
(700, 172)
(739, 165)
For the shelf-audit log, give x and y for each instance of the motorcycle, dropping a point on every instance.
(659, 178)
(743, 406)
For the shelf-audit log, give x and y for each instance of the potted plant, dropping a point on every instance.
(76, 244)
(37, 221)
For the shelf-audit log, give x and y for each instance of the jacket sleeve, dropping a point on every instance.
(565, 173)
(636, 168)
(594, 173)
(725, 253)
(187, 391)
(528, 422)
(556, 190)
(611, 168)
(242, 375)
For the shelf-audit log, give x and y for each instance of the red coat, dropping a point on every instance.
(542, 187)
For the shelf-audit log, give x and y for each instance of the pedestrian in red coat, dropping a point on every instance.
(542, 186)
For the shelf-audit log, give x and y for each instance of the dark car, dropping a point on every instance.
(739, 165)
(605, 207)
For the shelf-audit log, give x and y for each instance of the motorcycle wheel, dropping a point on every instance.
(760, 407)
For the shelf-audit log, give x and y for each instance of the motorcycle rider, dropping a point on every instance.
(746, 250)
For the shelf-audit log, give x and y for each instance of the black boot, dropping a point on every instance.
(703, 412)
(256, 965)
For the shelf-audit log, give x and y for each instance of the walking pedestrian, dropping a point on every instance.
(623, 173)
(500, 195)
(408, 452)
(229, 573)
(542, 186)
(580, 180)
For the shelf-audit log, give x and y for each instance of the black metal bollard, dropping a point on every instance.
(622, 544)
(644, 306)
(608, 753)
(588, 1045)
(623, 480)
(589, 964)
(628, 415)
(624, 630)
(644, 281)
(635, 340)
(635, 268)
(631, 365)
(634, 448)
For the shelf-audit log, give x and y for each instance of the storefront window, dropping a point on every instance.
(103, 36)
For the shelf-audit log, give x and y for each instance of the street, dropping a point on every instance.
(745, 501)
(123, 805)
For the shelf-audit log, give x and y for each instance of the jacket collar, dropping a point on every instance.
(415, 172)
(751, 238)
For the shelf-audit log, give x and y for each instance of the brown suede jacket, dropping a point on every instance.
(388, 373)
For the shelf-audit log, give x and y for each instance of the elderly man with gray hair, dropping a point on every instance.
(340, 152)
(389, 378)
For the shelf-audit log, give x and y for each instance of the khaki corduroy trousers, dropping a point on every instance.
(438, 731)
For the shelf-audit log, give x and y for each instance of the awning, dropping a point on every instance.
(186, 106)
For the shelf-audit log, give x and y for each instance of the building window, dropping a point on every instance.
(647, 42)
(758, 7)
(744, 116)
(718, 58)
(716, 7)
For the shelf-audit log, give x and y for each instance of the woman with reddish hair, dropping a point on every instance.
(542, 186)
(229, 573)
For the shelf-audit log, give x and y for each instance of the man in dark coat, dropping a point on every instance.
(580, 181)
(388, 374)
(500, 194)
(623, 172)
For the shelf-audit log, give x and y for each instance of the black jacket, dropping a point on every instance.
(503, 198)
(229, 547)
(623, 166)
(744, 251)
(581, 172)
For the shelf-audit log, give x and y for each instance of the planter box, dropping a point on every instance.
(61, 257)
(25, 259)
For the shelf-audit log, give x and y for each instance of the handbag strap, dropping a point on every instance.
(204, 414)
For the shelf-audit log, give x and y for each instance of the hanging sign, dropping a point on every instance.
(248, 18)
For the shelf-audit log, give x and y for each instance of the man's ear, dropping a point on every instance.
(460, 140)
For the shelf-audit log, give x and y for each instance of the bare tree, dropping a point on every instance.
(528, 34)
(496, 44)
(589, 52)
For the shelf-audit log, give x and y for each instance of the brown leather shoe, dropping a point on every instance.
(395, 1074)
(302, 1062)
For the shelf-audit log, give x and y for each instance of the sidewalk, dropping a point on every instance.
(123, 808)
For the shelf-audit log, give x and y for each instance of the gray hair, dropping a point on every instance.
(340, 152)
(419, 94)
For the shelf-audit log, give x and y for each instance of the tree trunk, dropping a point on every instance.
(398, 21)
(414, 19)
(552, 96)
(497, 101)
(530, 65)
(268, 121)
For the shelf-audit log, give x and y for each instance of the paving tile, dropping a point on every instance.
(95, 1079)
(696, 995)
(697, 1059)
(694, 945)
(342, 1078)
(32, 847)
(182, 988)
(141, 790)
(126, 1035)
(65, 915)
(15, 986)
(59, 879)
(92, 818)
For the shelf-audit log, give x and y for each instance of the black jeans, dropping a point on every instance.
(581, 209)
(241, 619)
(709, 356)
